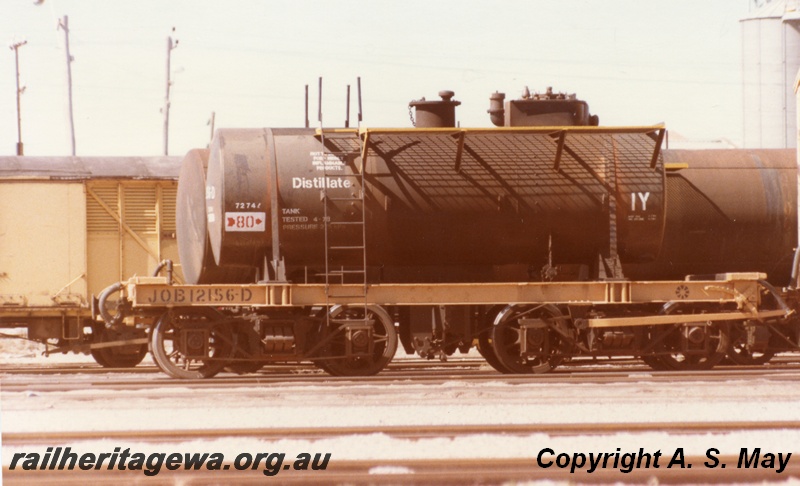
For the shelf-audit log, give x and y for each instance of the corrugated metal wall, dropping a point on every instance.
(130, 229)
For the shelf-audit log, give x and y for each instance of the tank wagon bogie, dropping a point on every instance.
(547, 239)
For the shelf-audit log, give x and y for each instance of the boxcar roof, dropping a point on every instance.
(81, 168)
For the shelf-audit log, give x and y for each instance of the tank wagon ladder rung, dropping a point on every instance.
(341, 274)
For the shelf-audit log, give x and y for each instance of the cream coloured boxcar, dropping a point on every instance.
(69, 227)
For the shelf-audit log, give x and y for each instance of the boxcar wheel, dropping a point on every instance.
(359, 352)
(191, 345)
(126, 356)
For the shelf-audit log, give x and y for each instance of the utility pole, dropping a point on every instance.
(15, 47)
(347, 109)
(170, 46)
(64, 24)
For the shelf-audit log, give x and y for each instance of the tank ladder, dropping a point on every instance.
(345, 237)
(346, 254)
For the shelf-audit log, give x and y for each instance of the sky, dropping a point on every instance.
(635, 62)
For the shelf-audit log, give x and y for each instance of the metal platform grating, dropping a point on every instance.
(474, 170)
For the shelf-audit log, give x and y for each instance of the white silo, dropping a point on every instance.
(770, 60)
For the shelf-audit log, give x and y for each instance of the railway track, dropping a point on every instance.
(398, 365)
(65, 379)
(415, 432)
(91, 368)
(486, 459)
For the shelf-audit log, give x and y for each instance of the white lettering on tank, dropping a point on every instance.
(642, 196)
(321, 182)
(324, 161)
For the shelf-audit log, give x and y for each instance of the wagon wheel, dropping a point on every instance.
(544, 345)
(248, 346)
(370, 349)
(656, 363)
(738, 352)
(486, 349)
(126, 356)
(191, 345)
(707, 344)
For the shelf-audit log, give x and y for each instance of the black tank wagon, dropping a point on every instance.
(535, 242)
